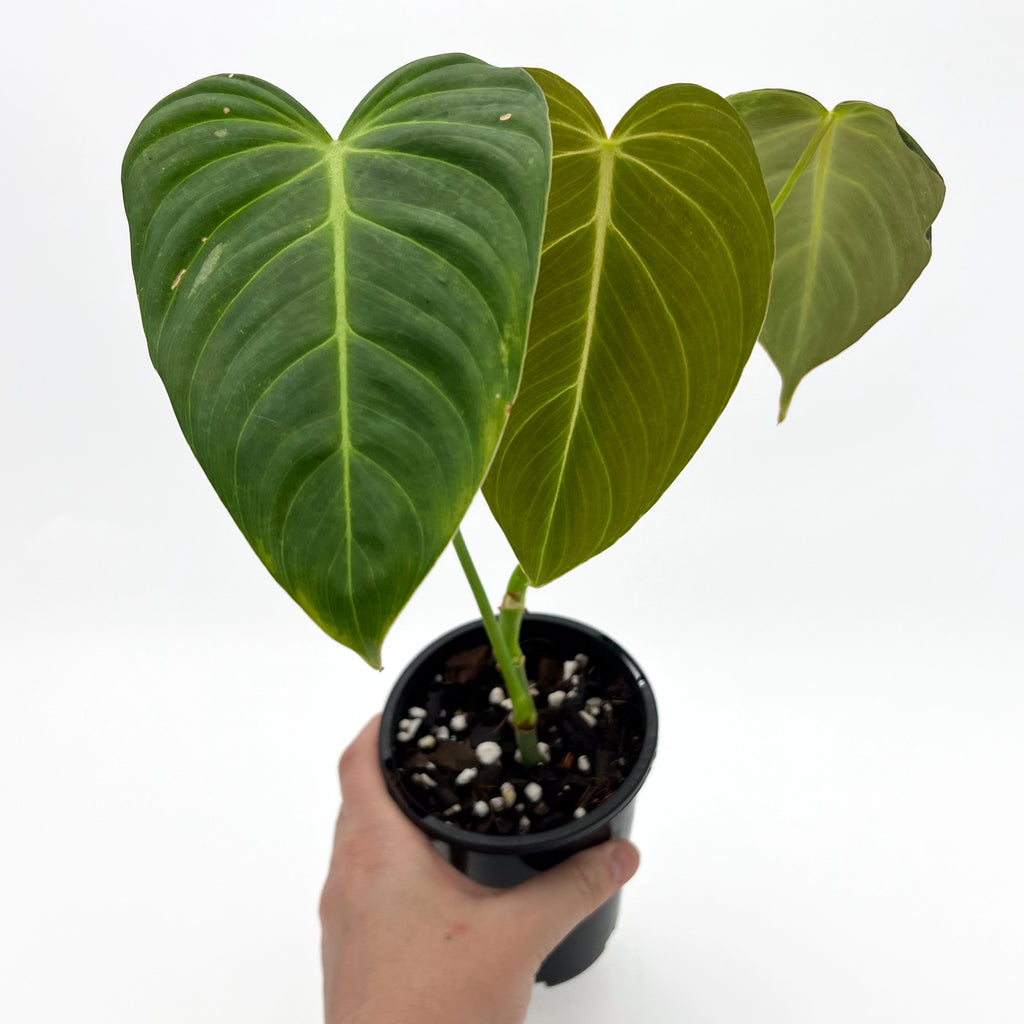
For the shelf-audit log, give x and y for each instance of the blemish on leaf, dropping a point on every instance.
(227, 110)
(505, 117)
(209, 263)
(508, 408)
(221, 133)
(177, 280)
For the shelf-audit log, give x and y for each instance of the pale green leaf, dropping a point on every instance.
(854, 198)
(340, 324)
(653, 285)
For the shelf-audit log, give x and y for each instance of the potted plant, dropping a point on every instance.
(474, 286)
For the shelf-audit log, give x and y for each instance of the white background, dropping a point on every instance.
(827, 610)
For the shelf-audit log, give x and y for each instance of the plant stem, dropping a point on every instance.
(510, 615)
(524, 711)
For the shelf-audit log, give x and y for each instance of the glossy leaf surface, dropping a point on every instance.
(854, 199)
(653, 285)
(341, 324)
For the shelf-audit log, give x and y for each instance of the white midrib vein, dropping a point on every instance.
(339, 212)
(820, 145)
(602, 223)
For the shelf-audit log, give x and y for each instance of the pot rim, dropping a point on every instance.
(571, 833)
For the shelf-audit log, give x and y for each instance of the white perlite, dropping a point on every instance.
(583, 763)
(442, 733)
(465, 777)
(497, 695)
(588, 718)
(508, 794)
(569, 669)
(579, 812)
(497, 804)
(524, 824)
(507, 703)
(407, 728)
(454, 809)
(488, 752)
(555, 698)
(427, 742)
(417, 712)
(458, 722)
(480, 809)
(533, 792)
(424, 780)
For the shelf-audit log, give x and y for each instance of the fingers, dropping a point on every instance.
(359, 768)
(366, 802)
(557, 900)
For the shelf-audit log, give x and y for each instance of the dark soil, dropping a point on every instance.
(607, 733)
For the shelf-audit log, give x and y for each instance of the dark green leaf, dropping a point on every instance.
(340, 324)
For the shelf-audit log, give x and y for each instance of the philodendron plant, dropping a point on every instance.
(474, 285)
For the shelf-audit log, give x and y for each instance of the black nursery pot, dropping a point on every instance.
(506, 860)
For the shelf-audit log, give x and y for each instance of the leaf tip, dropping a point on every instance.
(369, 651)
(785, 398)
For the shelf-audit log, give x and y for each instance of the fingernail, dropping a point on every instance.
(624, 862)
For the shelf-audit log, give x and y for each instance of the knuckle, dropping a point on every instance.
(336, 894)
(345, 762)
(345, 885)
(328, 901)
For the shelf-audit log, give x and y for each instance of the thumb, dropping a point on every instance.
(554, 902)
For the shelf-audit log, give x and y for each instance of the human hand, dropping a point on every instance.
(406, 937)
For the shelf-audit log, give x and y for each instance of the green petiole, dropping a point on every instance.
(508, 655)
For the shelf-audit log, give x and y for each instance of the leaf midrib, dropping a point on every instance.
(825, 137)
(602, 224)
(339, 209)
(824, 129)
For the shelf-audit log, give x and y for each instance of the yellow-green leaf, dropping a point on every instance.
(653, 285)
(854, 197)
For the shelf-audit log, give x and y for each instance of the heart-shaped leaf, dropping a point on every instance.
(340, 324)
(654, 279)
(854, 197)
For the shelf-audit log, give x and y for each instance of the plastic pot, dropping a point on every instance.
(504, 861)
